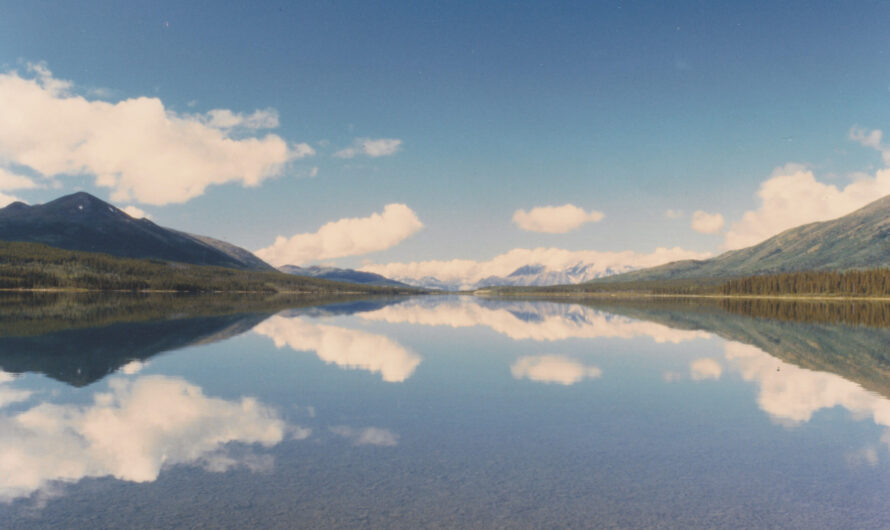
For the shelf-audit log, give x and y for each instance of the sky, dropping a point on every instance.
(402, 136)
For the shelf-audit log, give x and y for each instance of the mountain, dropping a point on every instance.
(859, 240)
(530, 275)
(342, 275)
(81, 221)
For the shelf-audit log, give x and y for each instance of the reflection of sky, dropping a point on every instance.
(131, 432)
(347, 348)
(553, 369)
(793, 394)
(520, 320)
(567, 428)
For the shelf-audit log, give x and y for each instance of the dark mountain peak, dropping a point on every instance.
(16, 206)
(81, 221)
(80, 205)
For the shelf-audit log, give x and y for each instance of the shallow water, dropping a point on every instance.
(444, 412)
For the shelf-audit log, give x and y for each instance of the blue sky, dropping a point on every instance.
(626, 108)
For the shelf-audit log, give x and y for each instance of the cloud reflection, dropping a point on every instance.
(792, 394)
(706, 368)
(367, 436)
(131, 432)
(348, 348)
(553, 369)
(538, 321)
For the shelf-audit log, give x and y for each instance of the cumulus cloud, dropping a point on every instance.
(348, 348)
(367, 436)
(10, 180)
(136, 147)
(466, 273)
(553, 369)
(707, 223)
(674, 214)
(555, 219)
(537, 321)
(135, 213)
(226, 119)
(14, 181)
(371, 147)
(792, 196)
(706, 368)
(871, 139)
(346, 237)
(131, 433)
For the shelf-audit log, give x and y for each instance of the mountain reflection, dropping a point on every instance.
(83, 356)
(792, 394)
(79, 339)
(131, 432)
(347, 348)
(527, 320)
(803, 356)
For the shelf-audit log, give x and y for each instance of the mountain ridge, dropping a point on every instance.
(83, 222)
(858, 240)
(342, 275)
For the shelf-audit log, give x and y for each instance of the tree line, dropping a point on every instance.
(868, 282)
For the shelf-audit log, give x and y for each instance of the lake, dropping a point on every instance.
(442, 411)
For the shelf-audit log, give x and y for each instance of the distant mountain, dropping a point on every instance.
(342, 275)
(858, 240)
(531, 275)
(81, 221)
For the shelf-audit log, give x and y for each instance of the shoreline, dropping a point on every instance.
(627, 295)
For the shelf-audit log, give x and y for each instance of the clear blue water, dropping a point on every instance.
(454, 411)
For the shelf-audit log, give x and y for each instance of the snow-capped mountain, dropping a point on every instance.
(526, 275)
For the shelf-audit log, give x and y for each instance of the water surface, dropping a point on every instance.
(442, 411)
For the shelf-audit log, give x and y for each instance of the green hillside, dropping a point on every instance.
(860, 240)
(37, 266)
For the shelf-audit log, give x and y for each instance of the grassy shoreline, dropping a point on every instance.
(636, 295)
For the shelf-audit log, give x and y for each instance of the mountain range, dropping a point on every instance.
(81, 221)
(342, 275)
(859, 240)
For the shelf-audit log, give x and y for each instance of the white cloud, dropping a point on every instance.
(674, 214)
(346, 237)
(14, 181)
(367, 436)
(707, 223)
(553, 369)
(226, 119)
(371, 147)
(348, 348)
(792, 196)
(706, 368)
(467, 272)
(555, 219)
(551, 322)
(135, 213)
(871, 139)
(136, 147)
(131, 433)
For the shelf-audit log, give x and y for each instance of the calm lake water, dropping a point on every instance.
(443, 412)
